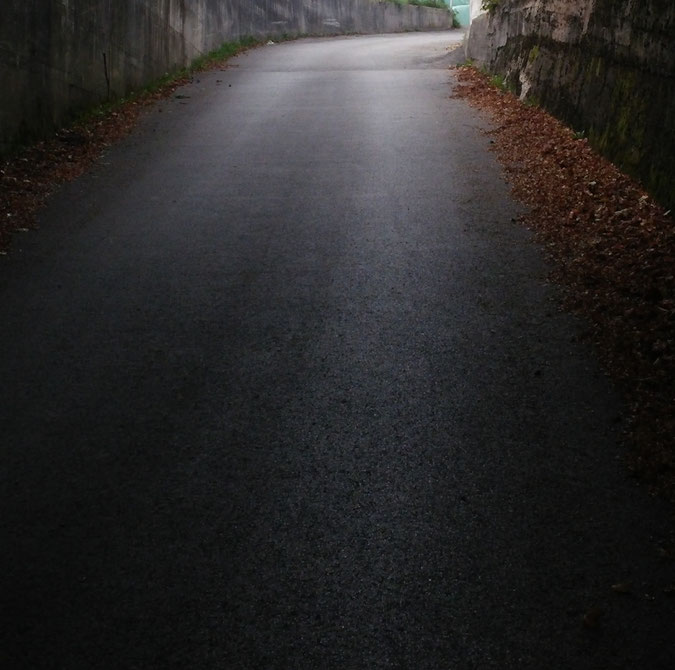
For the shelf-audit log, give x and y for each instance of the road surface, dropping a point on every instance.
(283, 386)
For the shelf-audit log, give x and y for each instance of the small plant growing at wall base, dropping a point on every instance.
(500, 81)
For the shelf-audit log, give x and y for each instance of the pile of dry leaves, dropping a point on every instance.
(613, 249)
(29, 177)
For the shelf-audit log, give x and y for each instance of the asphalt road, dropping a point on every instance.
(283, 386)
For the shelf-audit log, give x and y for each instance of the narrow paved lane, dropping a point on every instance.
(282, 386)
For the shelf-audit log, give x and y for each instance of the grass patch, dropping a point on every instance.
(500, 82)
(169, 80)
(30, 173)
(223, 52)
(433, 4)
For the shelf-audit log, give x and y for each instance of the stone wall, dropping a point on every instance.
(606, 67)
(61, 56)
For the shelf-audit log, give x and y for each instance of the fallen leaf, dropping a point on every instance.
(612, 247)
(622, 587)
(592, 617)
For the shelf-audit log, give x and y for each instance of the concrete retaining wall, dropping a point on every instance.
(61, 56)
(607, 67)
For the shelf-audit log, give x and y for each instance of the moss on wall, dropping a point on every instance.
(533, 55)
(610, 75)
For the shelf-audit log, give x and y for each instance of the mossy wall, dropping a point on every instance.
(58, 57)
(606, 67)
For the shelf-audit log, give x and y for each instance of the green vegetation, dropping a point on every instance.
(490, 5)
(434, 4)
(533, 55)
(226, 50)
(501, 82)
(201, 63)
(498, 81)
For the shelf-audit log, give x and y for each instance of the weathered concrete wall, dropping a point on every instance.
(475, 8)
(61, 56)
(606, 67)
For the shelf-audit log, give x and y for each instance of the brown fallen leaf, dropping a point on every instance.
(613, 249)
(667, 552)
(592, 617)
(622, 587)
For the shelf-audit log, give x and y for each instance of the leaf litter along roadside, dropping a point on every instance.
(31, 175)
(613, 249)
